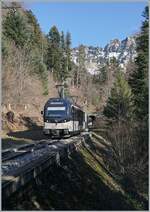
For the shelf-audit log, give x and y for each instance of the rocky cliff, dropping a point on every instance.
(96, 57)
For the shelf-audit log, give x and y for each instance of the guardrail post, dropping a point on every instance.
(58, 158)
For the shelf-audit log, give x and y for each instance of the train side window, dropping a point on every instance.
(72, 110)
(68, 110)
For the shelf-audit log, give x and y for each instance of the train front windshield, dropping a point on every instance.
(56, 112)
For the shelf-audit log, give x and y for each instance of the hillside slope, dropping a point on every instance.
(82, 182)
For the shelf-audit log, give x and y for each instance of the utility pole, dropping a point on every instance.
(61, 92)
(74, 99)
(86, 116)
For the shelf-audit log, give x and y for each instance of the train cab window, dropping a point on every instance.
(74, 113)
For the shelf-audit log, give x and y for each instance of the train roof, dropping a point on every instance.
(65, 101)
(58, 100)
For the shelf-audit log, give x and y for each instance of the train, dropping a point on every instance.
(62, 117)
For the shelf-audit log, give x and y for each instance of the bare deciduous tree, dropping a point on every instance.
(15, 72)
(128, 162)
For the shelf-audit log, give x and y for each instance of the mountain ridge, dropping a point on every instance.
(96, 57)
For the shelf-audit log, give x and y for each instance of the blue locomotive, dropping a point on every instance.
(63, 117)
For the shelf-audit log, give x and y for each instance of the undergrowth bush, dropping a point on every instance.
(128, 161)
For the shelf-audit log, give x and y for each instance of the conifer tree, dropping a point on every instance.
(15, 28)
(53, 52)
(139, 78)
(103, 74)
(81, 72)
(36, 34)
(120, 103)
(63, 55)
(68, 50)
(62, 41)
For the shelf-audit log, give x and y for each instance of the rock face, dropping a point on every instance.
(96, 57)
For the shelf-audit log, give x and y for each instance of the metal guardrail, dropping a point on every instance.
(32, 164)
(102, 140)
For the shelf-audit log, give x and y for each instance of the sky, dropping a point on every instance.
(91, 24)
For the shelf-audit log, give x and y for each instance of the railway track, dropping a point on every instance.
(13, 153)
(20, 165)
(17, 157)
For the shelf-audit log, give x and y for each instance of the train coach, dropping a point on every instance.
(62, 117)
